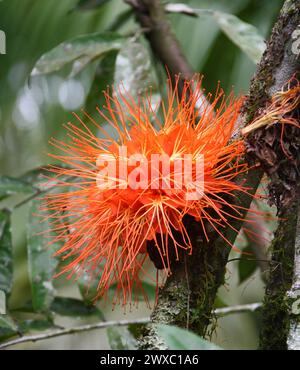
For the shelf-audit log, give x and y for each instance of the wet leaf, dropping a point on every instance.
(133, 71)
(41, 263)
(242, 34)
(7, 327)
(103, 79)
(79, 50)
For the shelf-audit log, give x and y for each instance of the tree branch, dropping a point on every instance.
(241, 308)
(68, 331)
(103, 325)
(283, 173)
(206, 267)
(151, 16)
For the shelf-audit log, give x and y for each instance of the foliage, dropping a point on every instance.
(180, 339)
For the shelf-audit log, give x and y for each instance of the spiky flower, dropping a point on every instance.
(166, 164)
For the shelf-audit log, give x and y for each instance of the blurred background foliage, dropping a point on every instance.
(38, 95)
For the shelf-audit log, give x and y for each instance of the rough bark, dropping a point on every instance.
(187, 298)
(275, 310)
(294, 296)
(265, 145)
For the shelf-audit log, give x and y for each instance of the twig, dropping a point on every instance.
(74, 330)
(28, 199)
(107, 324)
(251, 307)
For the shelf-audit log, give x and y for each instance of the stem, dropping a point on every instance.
(28, 199)
(152, 18)
(103, 325)
(76, 329)
(241, 308)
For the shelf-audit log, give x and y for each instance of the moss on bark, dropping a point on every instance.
(279, 64)
(276, 306)
(188, 296)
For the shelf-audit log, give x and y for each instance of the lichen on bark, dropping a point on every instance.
(275, 310)
(293, 340)
(188, 295)
(278, 66)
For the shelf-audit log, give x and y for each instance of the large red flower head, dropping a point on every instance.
(166, 163)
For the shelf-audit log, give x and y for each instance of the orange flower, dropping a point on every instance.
(137, 189)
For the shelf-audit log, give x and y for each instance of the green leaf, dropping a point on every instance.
(6, 253)
(41, 263)
(242, 34)
(246, 267)
(90, 4)
(79, 50)
(74, 307)
(7, 327)
(180, 339)
(120, 338)
(104, 77)
(9, 186)
(133, 71)
(29, 325)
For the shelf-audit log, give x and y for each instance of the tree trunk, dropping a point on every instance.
(187, 298)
